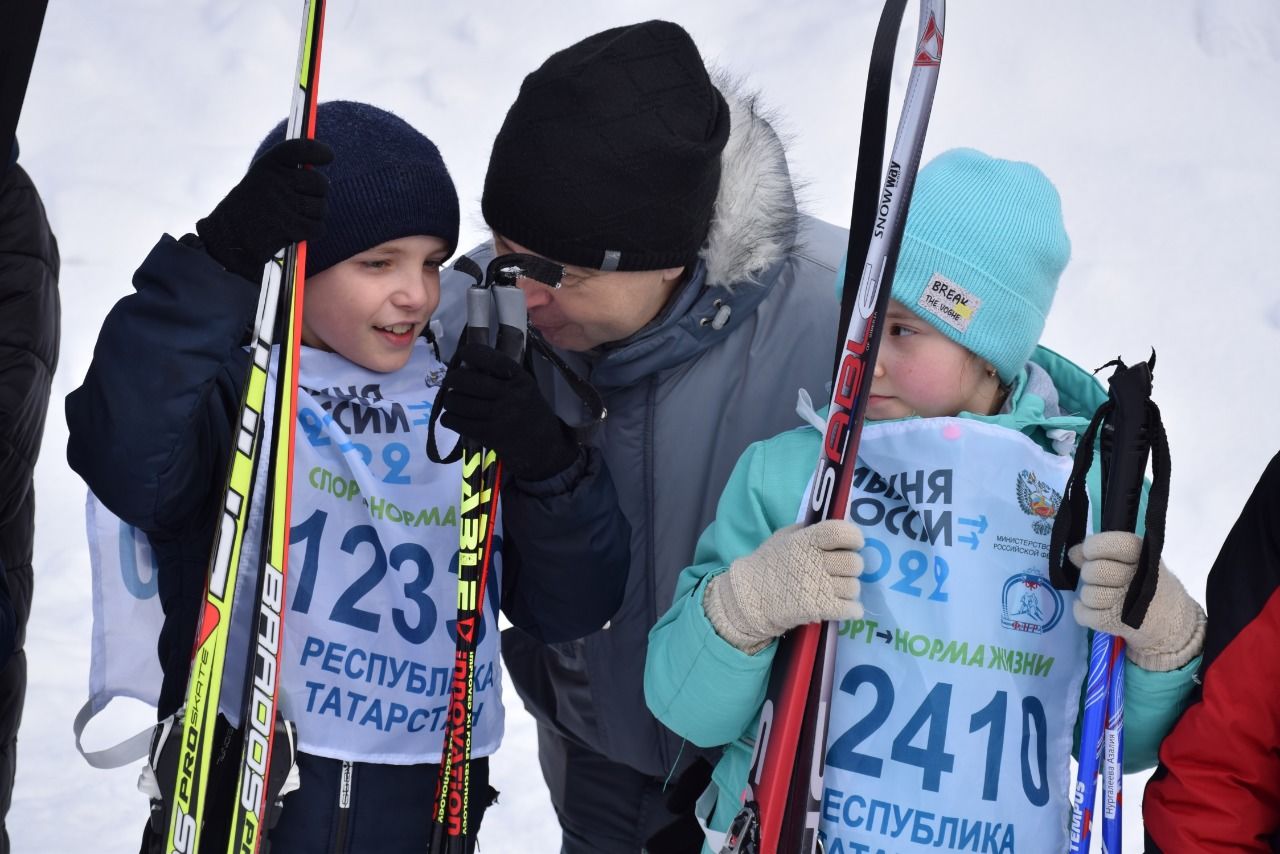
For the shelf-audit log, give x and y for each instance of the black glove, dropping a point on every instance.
(490, 399)
(275, 204)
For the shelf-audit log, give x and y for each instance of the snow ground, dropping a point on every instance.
(1150, 116)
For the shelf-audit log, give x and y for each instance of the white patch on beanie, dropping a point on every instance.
(949, 302)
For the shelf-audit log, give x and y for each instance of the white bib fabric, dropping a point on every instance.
(372, 584)
(956, 695)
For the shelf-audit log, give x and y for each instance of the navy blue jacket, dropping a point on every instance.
(150, 432)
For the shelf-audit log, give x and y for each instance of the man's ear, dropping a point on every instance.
(672, 274)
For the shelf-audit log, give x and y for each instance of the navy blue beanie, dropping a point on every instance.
(386, 181)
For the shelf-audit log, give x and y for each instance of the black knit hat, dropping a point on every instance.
(610, 156)
(386, 181)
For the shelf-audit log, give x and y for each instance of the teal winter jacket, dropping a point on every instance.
(709, 692)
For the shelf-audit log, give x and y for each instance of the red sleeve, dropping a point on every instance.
(1218, 785)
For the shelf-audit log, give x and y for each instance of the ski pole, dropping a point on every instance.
(1113, 754)
(481, 485)
(1130, 430)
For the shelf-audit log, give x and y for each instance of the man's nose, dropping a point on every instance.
(536, 294)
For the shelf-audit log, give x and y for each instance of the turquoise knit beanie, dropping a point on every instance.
(982, 252)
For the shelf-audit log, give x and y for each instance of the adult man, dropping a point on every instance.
(695, 296)
(28, 354)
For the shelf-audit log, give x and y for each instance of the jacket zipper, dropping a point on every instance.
(650, 407)
(344, 809)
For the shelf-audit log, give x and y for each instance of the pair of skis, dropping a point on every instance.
(278, 321)
(783, 799)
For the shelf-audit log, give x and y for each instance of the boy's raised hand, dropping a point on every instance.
(799, 575)
(490, 399)
(1172, 632)
(275, 204)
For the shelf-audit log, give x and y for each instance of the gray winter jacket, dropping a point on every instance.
(685, 396)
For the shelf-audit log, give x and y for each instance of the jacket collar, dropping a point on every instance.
(1051, 401)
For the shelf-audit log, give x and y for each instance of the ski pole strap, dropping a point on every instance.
(118, 755)
(433, 450)
(1072, 519)
(463, 264)
(1143, 588)
(1071, 522)
(508, 269)
(582, 389)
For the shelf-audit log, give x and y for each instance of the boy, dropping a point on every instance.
(373, 527)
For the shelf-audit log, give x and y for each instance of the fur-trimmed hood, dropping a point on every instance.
(755, 221)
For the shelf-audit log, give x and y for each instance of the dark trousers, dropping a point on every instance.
(377, 809)
(603, 807)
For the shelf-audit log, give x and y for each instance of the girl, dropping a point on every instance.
(958, 670)
(367, 642)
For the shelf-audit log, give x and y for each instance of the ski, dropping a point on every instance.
(279, 309)
(252, 810)
(481, 484)
(783, 797)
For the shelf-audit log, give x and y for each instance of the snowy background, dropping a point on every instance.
(1150, 116)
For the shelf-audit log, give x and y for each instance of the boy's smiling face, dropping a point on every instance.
(371, 307)
(920, 371)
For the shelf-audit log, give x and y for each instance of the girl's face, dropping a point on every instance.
(920, 371)
(372, 307)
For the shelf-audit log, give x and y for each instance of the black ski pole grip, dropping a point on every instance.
(1136, 434)
(1127, 445)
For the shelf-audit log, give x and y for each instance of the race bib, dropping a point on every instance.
(372, 586)
(956, 695)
